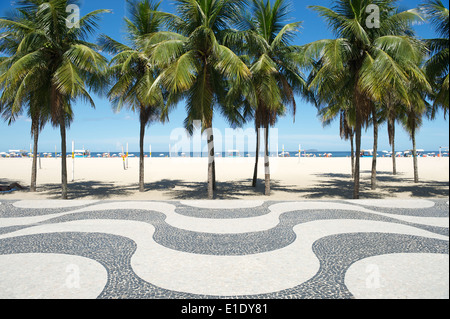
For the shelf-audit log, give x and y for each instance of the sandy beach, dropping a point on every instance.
(185, 178)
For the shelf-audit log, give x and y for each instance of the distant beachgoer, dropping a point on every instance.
(13, 186)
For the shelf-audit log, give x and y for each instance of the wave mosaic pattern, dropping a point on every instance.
(224, 249)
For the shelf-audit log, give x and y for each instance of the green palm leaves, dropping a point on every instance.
(231, 56)
(437, 65)
(51, 62)
(367, 62)
(132, 74)
(197, 66)
(274, 65)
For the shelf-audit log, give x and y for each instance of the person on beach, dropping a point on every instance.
(12, 187)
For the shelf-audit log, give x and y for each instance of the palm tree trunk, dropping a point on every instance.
(214, 175)
(266, 160)
(62, 127)
(375, 148)
(141, 156)
(394, 162)
(416, 172)
(352, 150)
(357, 155)
(210, 163)
(35, 126)
(255, 172)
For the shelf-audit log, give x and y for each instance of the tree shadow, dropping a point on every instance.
(83, 189)
(422, 189)
(329, 186)
(238, 189)
(178, 189)
(340, 186)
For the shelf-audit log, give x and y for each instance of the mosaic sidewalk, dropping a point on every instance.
(224, 249)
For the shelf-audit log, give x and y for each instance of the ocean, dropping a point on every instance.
(244, 154)
(314, 153)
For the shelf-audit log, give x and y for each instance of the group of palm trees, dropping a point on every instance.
(235, 57)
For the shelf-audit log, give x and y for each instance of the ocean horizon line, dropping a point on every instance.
(231, 153)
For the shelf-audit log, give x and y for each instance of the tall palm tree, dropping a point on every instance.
(196, 66)
(438, 64)
(391, 113)
(341, 108)
(60, 56)
(363, 58)
(132, 73)
(413, 113)
(375, 120)
(31, 96)
(412, 120)
(275, 66)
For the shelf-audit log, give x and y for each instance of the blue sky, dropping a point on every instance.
(101, 129)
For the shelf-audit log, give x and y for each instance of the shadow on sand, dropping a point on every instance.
(328, 186)
(340, 186)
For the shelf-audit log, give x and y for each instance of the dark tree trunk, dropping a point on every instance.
(266, 160)
(416, 171)
(35, 126)
(62, 127)
(141, 156)
(357, 155)
(375, 148)
(352, 150)
(255, 172)
(210, 163)
(394, 162)
(214, 174)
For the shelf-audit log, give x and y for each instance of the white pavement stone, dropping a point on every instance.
(400, 276)
(52, 203)
(222, 204)
(50, 276)
(225, 275)
(394, 203)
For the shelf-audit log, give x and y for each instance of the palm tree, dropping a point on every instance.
(342, 108)
(412, 115)
(437, 66)
(363, 59)
(375, 120)
(391, 111)
(15, 98)
(274, 65)
(412, 121)
(197, 66)
(132, 73)
(59, 56)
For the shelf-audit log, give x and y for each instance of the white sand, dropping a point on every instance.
(185, 178)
